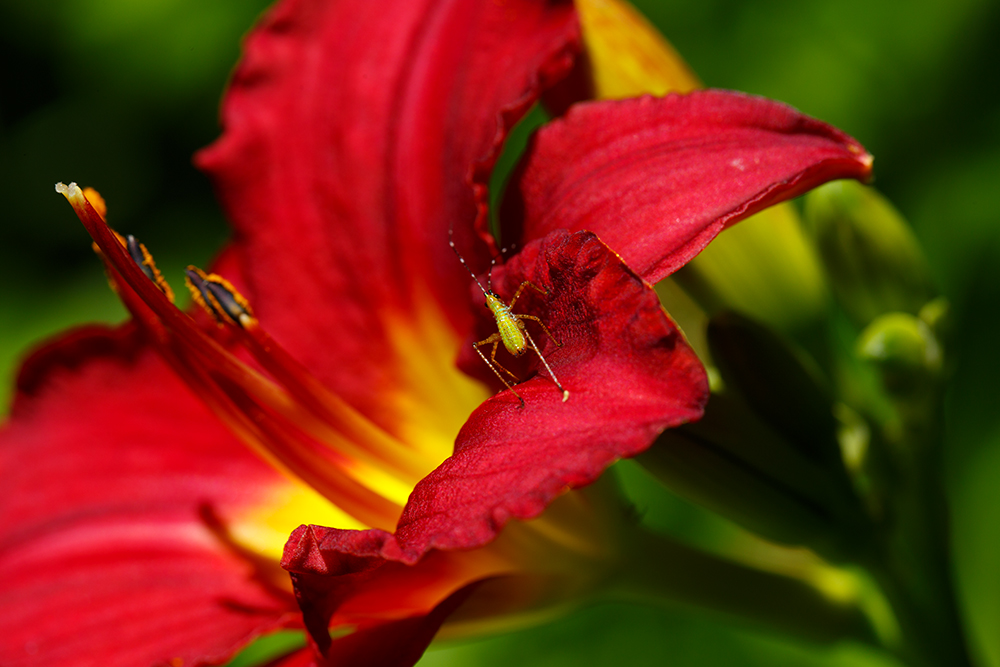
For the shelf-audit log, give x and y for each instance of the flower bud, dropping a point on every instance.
(763, 267)
(905, 350)
(935, 314)
(873, 261)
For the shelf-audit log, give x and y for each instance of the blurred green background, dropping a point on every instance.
(118, 94)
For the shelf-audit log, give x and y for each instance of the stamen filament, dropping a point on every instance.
(312, 432)
(238, 405)
(336, 417)
(329, 407)
(312, 464)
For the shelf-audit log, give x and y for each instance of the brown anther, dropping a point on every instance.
(218, 297)
(143, 259)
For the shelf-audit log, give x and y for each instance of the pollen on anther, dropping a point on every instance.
(218, 297)
(142, 257)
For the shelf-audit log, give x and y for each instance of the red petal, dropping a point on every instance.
(630, 375)
(399, 638)
(658, 178)
(354, 135)
(396, 643)
(343, 580)
(629, 372)
(113, 473)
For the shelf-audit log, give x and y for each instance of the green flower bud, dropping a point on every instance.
(935, 314)
(905, 350)
(764, 267)
(873, 261)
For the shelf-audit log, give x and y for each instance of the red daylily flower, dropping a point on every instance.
(138, 528)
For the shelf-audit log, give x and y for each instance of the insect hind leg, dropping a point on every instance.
(552, 376)
(542, 325)
(494, 364)
(495, 339)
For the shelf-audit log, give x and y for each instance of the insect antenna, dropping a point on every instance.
(493, 262)
(489, 276)
(451, 242)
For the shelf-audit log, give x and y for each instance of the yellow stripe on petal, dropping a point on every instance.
(264, 528)
(628, 55)
(434, 398)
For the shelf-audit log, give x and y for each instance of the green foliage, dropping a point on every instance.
(117, 95)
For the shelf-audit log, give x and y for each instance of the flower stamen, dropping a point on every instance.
(227, 306)
(218, 297)
(144, 260)
(289, 417)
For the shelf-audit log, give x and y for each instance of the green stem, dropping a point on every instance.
(913, 563)
(660, 570)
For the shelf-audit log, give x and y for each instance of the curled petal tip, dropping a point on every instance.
(864, 156)
(868, 160)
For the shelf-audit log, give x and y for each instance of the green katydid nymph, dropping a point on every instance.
(510, 327)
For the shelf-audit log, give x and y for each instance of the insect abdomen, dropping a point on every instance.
(507, 325)
(510, 333)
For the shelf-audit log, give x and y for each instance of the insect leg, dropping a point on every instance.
(542, 325)
(526, 283)
(493, 355)
(494, 365)
(552, 375)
